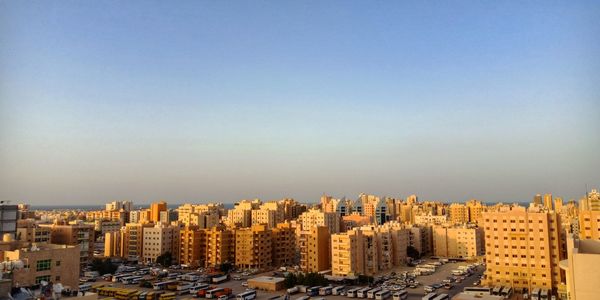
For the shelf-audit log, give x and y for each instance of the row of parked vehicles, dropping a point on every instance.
(377, 293)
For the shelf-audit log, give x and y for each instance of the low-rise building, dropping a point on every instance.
(45, 262)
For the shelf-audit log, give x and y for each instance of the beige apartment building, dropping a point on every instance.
(201, 215)
(458, 242)
(29, 231)
(284, 245)
(420, 238)
(74, 234)
(112, 244)
(155, 209)
(476, 209)
(264, 216)
(190, 245)
(253, 247)
(459, 213)
(523, 247)
(220, 246)
(589, 224)
(132, 241)
(581, 268)
(44, 262)
(315, 249)
(368, 250)
(291, 209)
(315, 217)
(158, 240)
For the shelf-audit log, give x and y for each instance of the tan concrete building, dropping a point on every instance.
(476, 209)
(264, 217)
(523, 247)
(315, 217)
(284, 245)
(29, 231)
(315, 249)
(158, 240)
(241, 215)
(132, 241)
(190, 246)
(47, 262)
(420, 238)
(74, 234)
(459, 213)
(253, 247)
(368, 250)
(589, 224)
(581, 269)
(201, 215)
(220, 246)
(155, 209)
(112, 244)
(292, 209)
(458, 242)
(355, 220)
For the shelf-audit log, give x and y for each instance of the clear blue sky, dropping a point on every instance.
(222, 100)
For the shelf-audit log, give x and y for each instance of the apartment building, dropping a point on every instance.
(368, 250)
(29, 231)
(8, 218)
(74, 234)
(284, 245)
(241, 215)
(589, 224)
(253, 247)
(581, 268)
(315, 217)
(112, 244)
(459, 213)
(191, 243)
(220, 246)
(315, 248)
(476, 209)
(155, 209)
(203, 216)
(132, 241)
(291, 209)
(458, 242)
(158, 240)
(523, 247)
(139, 216)
(420, 238)
(431, 219)
(264, 216)
(45, 262)
(104, 226)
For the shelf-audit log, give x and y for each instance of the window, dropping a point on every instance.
(43, 265)
(57, 278)
(42, 278)
(58, 263)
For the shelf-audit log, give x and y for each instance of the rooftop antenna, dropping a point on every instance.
(586, 192)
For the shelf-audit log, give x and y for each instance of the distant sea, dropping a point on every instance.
(101, 207)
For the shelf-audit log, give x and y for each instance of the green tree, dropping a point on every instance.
(412, 252)
(225, 267)
(164, 259)
(290, 280)
(103, 266)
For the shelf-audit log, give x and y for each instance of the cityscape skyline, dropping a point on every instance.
(230, 100)
(310, 202)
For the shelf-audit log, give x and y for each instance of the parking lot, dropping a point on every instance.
(442, 272)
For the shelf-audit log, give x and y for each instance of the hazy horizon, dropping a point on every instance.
(223, 101)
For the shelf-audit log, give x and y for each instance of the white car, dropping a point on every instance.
(245, 283)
